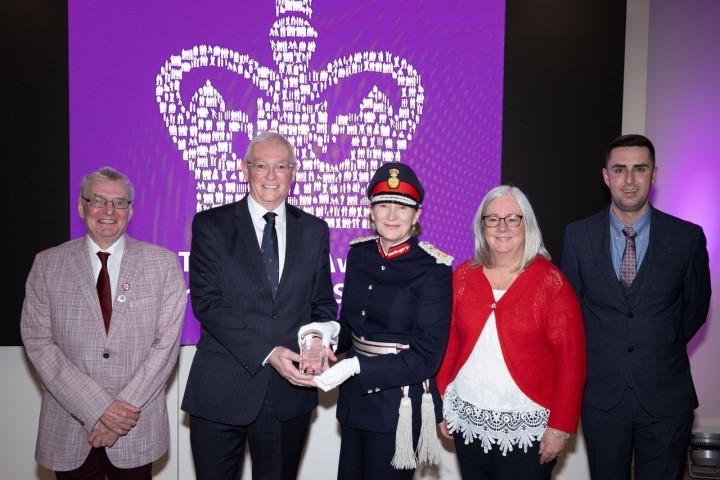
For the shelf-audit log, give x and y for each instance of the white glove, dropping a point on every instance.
(337, 374)
(328, 330)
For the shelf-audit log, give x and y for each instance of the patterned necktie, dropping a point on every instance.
(269, 250)
(627, 264)
(103, 290)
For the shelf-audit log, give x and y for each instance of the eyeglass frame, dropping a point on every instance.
(94, 204)
(254, 165)
(501, 219)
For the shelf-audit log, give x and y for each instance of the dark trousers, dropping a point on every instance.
(659, 444)
(275, 447)
(97, 466)
(368, 455)
(517, 464)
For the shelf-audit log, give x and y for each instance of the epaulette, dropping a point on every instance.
(363, 239)
(440, 257)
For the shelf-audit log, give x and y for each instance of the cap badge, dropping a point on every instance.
(393, 181)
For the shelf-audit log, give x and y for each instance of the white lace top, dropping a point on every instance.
(484, 403)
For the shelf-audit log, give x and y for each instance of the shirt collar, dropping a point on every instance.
(257, 211)
(116, 249)
(640, 227)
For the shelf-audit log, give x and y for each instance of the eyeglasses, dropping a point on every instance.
(493, 221)
(280, 169)
(100, 202)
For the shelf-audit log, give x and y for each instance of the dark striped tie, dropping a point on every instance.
(269, 250)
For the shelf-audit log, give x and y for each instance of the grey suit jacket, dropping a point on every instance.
(639, 337)
(240, 322)
(83, 369)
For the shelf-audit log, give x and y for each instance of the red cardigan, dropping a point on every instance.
(540, 327)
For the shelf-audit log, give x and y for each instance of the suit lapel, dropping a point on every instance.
(246, 233)
(83, 272)
(293, 235)
(658, 245)
(600, 241)
(131, 269)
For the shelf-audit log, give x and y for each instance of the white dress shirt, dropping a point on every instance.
(256, 213)
(113, 264)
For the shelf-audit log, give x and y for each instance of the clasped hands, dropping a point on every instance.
(116, 421)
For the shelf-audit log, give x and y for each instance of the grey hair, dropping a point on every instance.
(270, 137)
(533, 238)
(107, 173)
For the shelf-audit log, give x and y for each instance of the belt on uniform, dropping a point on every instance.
(428, 449)
(371, 349)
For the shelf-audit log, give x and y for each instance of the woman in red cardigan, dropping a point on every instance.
(514, 370)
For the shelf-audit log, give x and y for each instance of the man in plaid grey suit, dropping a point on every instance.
(104, 411)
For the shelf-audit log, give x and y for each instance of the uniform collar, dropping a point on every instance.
(397, 250)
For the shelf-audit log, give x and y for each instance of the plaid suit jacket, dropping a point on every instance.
(83, 369)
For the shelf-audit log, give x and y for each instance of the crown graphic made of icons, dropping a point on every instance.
(294, 102)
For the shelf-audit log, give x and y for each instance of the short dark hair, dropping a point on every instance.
(630, 140)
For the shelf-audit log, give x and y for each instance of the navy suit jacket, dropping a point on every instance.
(638, 337)
(240, 322)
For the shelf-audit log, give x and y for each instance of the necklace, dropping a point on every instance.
(503, 283)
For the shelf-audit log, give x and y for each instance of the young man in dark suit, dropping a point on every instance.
(244, 387)
(643, 279)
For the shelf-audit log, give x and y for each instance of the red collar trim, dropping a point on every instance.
(394, 251)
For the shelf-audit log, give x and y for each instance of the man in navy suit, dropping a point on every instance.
(639, 397)
(244, 387)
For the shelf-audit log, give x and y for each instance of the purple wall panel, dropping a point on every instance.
(683, 121)
(171, 92)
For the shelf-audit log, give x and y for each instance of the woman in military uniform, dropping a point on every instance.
(395, 318)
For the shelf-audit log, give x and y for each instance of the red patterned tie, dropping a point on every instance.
(627, 264)
(103, 290)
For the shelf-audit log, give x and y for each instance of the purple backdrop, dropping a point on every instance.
(683, 121)
(170, 92)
